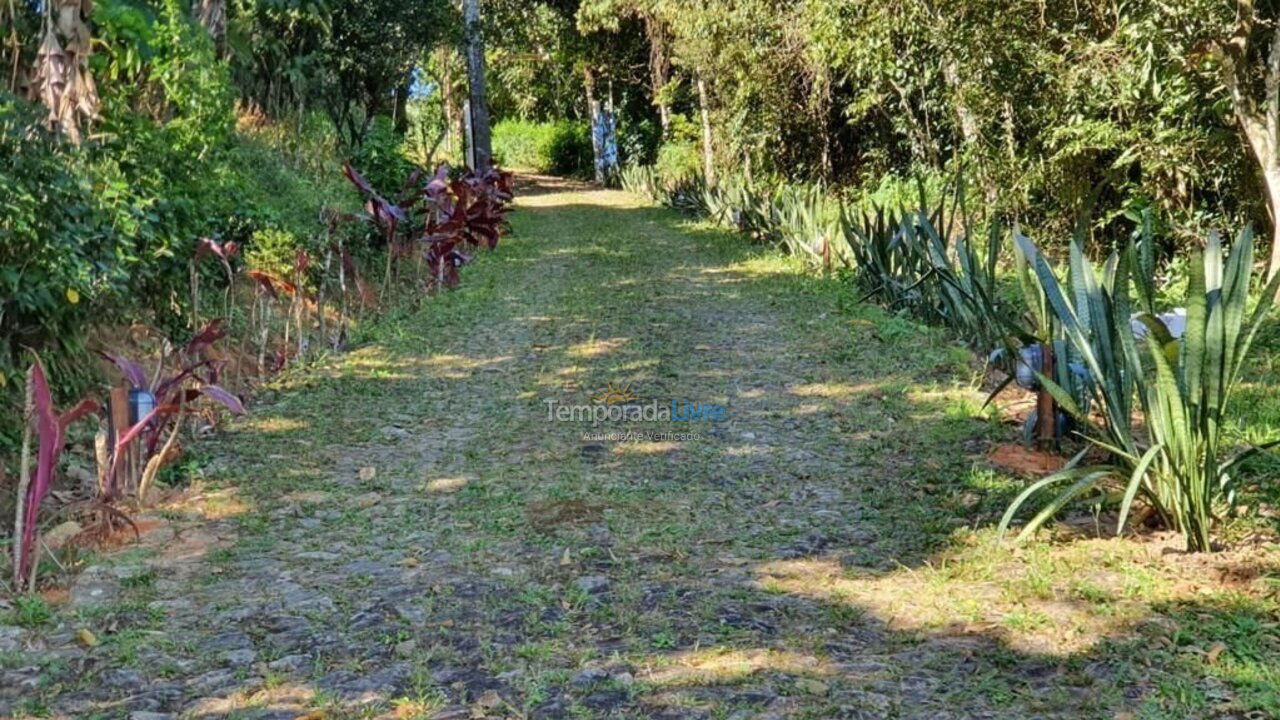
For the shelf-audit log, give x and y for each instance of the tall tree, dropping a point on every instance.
(483, 148)
(1259, 121)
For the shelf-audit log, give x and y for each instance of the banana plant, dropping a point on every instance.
(1177, 461)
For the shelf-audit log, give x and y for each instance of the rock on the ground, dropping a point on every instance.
(593, 584)
(11, 638)
(588, 677)
(61, 534)
(94, 587)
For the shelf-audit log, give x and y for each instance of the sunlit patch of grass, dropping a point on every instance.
(217, 505)
(762, 265)
(832, 390)
(596, 347)
(647, 448)
(1031, 595)
(265, 424)
(446, 484)
(724, 666)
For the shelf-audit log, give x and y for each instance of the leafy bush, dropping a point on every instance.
(59, 259)
(571, 153)
(108, 229)
(678, 160)
(559, 148)
(381, 156)
(273, 251)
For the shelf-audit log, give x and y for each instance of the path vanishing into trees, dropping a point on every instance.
(403, 532)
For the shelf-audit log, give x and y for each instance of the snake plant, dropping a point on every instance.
(1177, 460)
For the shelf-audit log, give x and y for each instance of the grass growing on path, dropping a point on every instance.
(404, 533)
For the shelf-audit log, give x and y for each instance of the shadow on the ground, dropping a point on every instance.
(823, 552)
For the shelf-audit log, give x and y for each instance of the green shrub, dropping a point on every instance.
(107, 230)
(678, 161)
(560, 148)
(571, 152)
(273, 251)
(523, 144)
(1177, 459)
(381, 157)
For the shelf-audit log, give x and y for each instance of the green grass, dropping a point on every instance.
(829, 544)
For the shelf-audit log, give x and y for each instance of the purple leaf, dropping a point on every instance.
(356, 178)
(228, 399)
(131, 370)
(49, 428)
(211, 333)
(85, 407)
(164, 387)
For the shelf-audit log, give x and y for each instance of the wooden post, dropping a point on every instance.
(1046, 409)
(119, 409)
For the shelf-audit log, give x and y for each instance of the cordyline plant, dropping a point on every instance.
(50, 426)
(1180, 465)
(205, 248)
(467, 212)
(190, 377)
(389, 217)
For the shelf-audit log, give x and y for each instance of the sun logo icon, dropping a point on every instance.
(615, 395)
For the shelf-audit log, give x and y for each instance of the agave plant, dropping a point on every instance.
(1177, 462)
(642, 180)
(908, 263)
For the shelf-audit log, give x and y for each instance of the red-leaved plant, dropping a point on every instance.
(467, 212)
(190, 377)
(50, 427)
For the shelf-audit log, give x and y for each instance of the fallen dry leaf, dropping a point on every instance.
(489, 700)
(1215, 650)
(87, 638)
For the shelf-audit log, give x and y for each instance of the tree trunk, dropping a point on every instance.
(1261, 125)
(445, 81)
(212, 16)
(708, 154)
(970, 130)
(1272, 176)
(659, 69)
(475, 76)
(593, 117)
(399, 109)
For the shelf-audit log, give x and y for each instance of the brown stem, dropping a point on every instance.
(24, 481)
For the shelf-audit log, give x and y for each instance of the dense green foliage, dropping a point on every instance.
(106, 230)
(559, 148)
(1040, 106)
